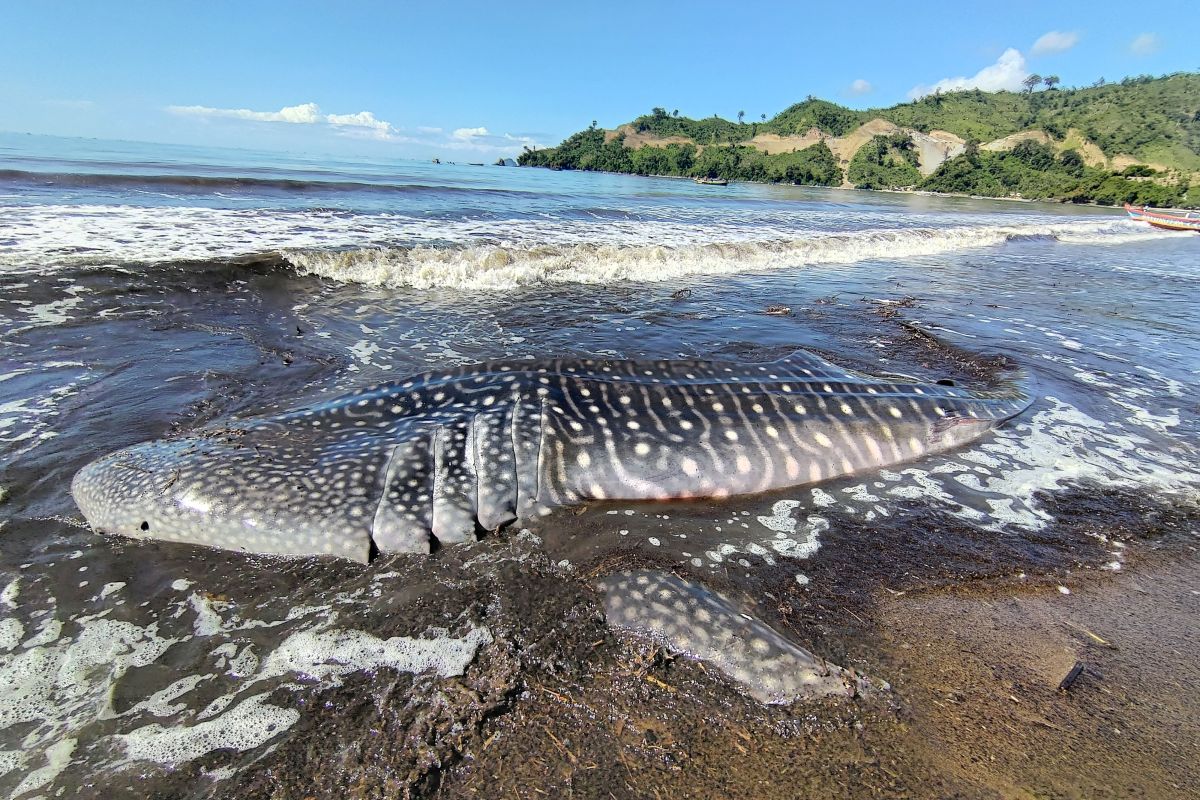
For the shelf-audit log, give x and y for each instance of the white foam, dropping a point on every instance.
(57, 756)
(416, 251)
(329, 654)
(11, 631)
(8, 597)
(807, 545)
(245, 726)
(54, 687)
(781, 519)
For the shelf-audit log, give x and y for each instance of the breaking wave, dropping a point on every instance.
(502, 267)
(404, 250)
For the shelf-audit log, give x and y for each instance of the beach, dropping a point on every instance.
(147, 291)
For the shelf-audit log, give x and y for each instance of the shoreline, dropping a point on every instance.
(917, 192)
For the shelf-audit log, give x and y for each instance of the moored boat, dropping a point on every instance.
(712, 181)
(1166, 220)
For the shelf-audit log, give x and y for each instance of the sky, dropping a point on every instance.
(475, 81)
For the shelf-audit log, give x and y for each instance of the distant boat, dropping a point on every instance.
(712, 181)
(1167, 220)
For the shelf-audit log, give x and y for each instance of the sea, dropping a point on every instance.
(147, 290)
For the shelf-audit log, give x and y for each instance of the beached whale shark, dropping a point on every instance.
(438, 457)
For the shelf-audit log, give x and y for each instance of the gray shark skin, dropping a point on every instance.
(445, 454)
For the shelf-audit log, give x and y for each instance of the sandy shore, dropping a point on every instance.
(975, 709)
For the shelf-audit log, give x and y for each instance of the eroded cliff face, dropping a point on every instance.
(933, 148)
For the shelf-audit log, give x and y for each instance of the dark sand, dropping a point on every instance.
(563, 707)
(975, 709)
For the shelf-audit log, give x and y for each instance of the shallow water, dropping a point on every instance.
(169, 287)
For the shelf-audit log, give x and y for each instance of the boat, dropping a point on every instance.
(712, 181)
(1166, 219)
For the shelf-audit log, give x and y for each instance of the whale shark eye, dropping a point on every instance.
(946, 382)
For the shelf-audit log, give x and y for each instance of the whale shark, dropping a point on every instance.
(438, 458)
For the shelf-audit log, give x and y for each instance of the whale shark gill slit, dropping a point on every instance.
(437, 458)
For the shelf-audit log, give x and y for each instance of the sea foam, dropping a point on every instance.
(397, 250)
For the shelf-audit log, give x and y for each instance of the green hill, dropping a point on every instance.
(959, 141)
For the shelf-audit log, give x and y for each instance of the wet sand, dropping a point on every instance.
(562, 706)
(974, 711)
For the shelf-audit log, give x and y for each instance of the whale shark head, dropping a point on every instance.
(239, 490)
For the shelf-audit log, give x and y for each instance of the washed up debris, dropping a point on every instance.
(889, 309)
(1094, 637)
(1066, 683)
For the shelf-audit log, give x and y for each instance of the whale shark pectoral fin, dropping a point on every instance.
(454, 483)
(404, 517)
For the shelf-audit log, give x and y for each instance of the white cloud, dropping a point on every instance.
(365, 124)
(363, 119)
(1145, 44)
(303, 114)
(482, 140)
(1007, 73)
(860, 86)
(1054, 42)
(466, 134)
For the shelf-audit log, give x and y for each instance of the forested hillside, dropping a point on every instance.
(1137, 140)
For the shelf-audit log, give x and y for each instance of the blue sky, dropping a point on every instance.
(480, 80)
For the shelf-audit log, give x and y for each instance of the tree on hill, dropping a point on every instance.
(763, 117)
(885, 162)
(741, 117)
(1050, 81)
(1030, 82)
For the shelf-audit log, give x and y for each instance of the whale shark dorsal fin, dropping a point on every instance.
(804, 363)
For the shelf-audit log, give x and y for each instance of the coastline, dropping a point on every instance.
(909, 191)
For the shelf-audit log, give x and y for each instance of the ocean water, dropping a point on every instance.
(146, 290)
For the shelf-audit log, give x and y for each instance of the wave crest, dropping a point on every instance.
(507, 267)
